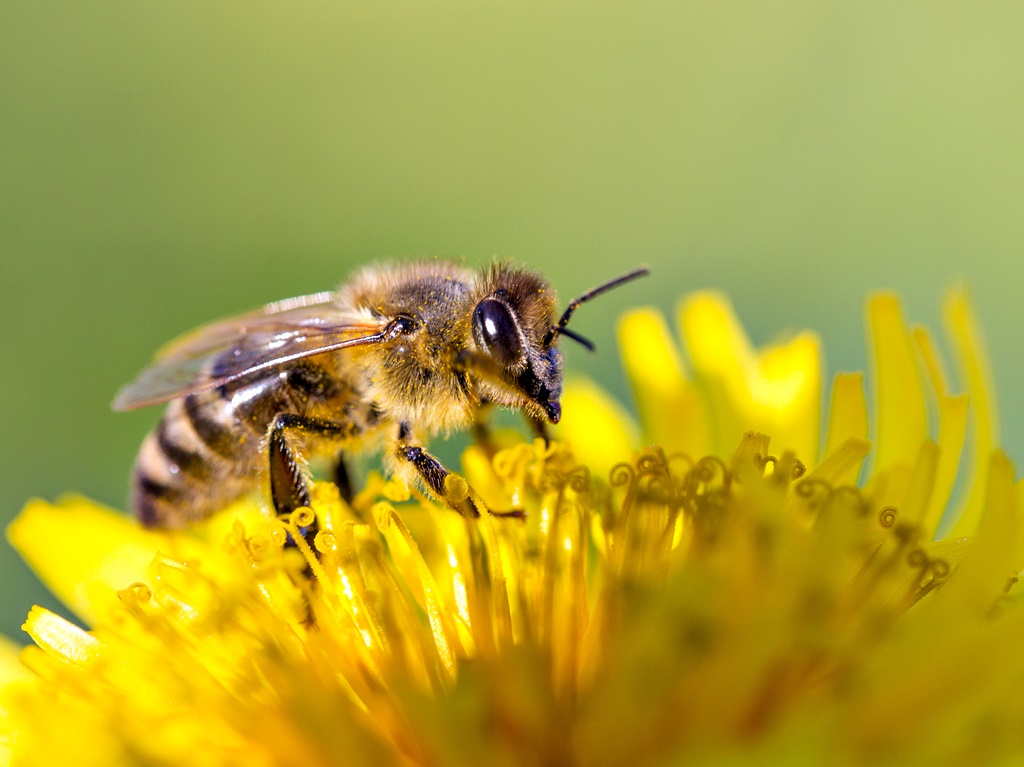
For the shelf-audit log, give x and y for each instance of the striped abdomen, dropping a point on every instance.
(208, 449)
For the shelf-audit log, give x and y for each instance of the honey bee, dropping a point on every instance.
(404, 352)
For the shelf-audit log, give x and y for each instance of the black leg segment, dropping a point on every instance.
(288, 489)
(343, 479)
(434, 474)
(539, 426)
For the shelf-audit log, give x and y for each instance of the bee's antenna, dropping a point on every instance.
(584, 342)
(559, 329)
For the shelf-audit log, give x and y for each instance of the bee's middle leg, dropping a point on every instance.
(343, 479)
(483, 435)
(288, 488)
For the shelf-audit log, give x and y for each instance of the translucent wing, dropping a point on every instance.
(276, 335)
(315, 310)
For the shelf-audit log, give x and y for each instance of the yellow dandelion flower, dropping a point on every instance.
(759, 586)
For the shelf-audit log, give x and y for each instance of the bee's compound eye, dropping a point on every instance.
(496, 331)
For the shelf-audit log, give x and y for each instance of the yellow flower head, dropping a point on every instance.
(746, 589)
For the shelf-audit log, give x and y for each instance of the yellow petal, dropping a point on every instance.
(973, 360)
(847, 421)
(672, 412)
(83, 552)
(787, 394)
(11, 669)
(902, 423)
(1018, 499)
(992, 559)
(598, 428)
(478, 468)
(12, 672)
(952, 431)
(417, 575)
(915, 503)
(60, 637)
(841, 466)
(721, 356)
(776, 392)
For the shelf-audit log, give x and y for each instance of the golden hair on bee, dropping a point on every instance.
(398, 352)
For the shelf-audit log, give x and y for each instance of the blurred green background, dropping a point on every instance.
(167, 163)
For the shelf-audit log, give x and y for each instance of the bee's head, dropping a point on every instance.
(514, 328)
(510, 324)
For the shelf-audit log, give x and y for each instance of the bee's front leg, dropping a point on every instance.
(433, 473)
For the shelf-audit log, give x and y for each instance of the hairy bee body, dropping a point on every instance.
(397, 354)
